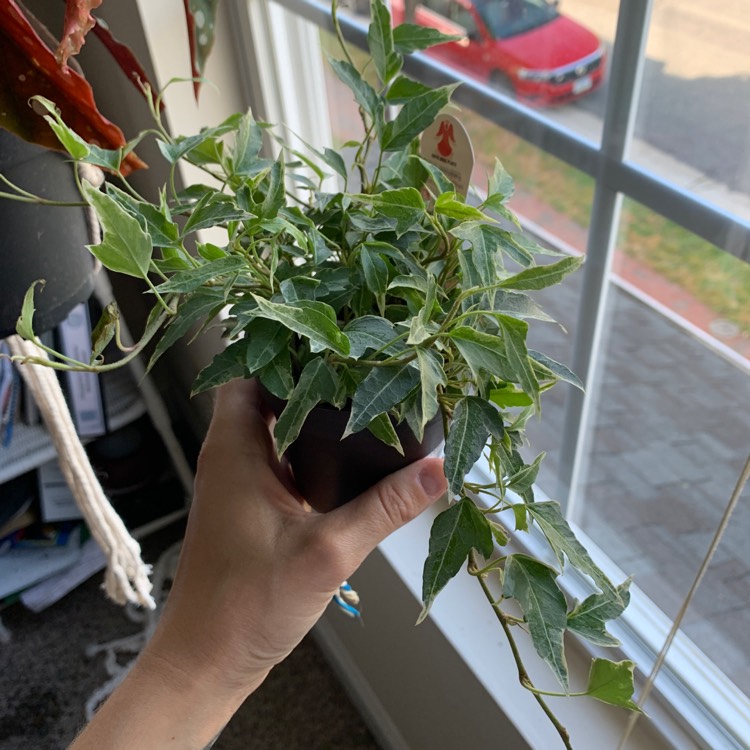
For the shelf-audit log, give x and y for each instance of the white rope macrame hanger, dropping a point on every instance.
(126, 578)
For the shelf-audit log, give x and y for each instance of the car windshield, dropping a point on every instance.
(507, 18)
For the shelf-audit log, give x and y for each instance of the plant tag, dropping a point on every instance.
(446, 144)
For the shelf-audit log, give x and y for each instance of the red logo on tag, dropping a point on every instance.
(445, 133)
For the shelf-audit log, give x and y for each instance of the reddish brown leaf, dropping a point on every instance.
(124, 57)
(28, 67)
(78, 22)
(201, 23)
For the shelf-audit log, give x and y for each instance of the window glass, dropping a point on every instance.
(668, 434)
(695, 102)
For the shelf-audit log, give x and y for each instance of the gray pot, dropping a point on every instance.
(41, 242)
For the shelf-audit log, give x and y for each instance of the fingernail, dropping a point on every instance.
(432, 479)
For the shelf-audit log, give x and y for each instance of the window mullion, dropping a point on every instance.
(626, 75)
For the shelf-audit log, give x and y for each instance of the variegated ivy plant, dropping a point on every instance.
(391, 295)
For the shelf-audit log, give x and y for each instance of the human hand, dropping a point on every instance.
(257, 568)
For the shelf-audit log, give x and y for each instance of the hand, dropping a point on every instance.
(257, 570)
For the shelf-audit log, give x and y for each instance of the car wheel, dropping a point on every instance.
(501, 82)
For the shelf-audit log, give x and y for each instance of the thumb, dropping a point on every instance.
(390, 504)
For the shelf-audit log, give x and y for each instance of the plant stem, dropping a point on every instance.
(523, 675)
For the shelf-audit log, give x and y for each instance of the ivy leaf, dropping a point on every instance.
(104, 331)
(212, 210)
(277, 375)
(534, 586)
(554, 368)
(514, 337)
(563, 541)
(370, 332)
(541, 277)
(156, 221)
(416, 115)
(275, 196)
(508, 397)
(421, 327)
(70, 141)
(589, 617)
(312, 319)
(375, 270)
(403, 89)
(522, 480)
(195, 308)
(485, 241)
(364, 94)
(455, 532)
(501, 183)
(247, 145)
(188, 281)
(451, 205)
(431, 376)
(25, 322)
(125, 247)
(383, 429)
(225, 366)
(381, 390)
(520, 305)
(483, 351)
(335, 161)
(409, 37)
(318, 382)
(474, 420)
(405, 205)
(265, 340)
(612, 682)
(380, 41)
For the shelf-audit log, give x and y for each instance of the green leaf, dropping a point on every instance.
(193, 310)
(415, 116)
(104, 331)
(312, 319)
(520, 516)
(70, 140)
(275, 196)
(441, 180)
(156, 221)
(212, 210)
(563, 541)
(405, 205)
(431, 376)
(556, 369)
(125, 247)
(474, 420)
(589, 617)
(519, 306)
(508, 397)
(541, 277)
(25, 322)
(483, 351)
(514, 337)
(612, 682)
(383, 429)
(370, 332)
(499, 534)
(335, 161)
(455, 532)
(501, 183)
(381, 390)
(364, 94)
(452, 206)
(534, 586)
(375, 270)
(403, 89)
(317, 383)
(188, 281)
(485, 242)
(380, 42)
(409, 37)
(247, 145)
(225, 366)
(265, 340)
(277, 375)
(525, 477)
(422, 327)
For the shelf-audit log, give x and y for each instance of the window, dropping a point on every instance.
(644, 168)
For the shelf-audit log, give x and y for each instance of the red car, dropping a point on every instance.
(523, 45)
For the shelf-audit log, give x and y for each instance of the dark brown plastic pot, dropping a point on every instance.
(41, 242)
(330, 471)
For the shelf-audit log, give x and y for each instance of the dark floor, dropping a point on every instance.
(45, 680)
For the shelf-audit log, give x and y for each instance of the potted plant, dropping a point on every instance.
(387, 300)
